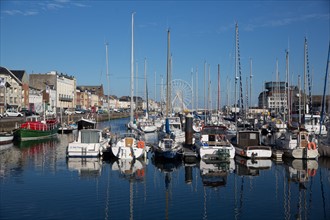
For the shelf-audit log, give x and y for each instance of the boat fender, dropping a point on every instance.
(311, 145)
(141, 144)
(311, 172)
(140, 173)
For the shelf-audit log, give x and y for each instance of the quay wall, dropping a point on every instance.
(11, 123)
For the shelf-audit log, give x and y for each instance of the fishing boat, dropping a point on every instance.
(298, 144)
(247, 143)
(67, 128)
(213, 144)
(35, 129)
(86, 123)
(90, 143)
(6, 138)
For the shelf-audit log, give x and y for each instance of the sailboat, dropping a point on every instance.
(129, 145)
(146, 125)
(170, 142)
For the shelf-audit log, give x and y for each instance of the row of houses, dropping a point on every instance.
(57, 91)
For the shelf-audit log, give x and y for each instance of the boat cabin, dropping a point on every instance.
(90, 136)
(248, 138)
(86, 124)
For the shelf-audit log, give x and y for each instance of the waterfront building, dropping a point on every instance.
(35, 100)
(64, 88)
(10, 90)
(24, 78)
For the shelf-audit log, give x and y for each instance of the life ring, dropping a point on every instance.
(311, 172)
(311, 146)
(140, 144)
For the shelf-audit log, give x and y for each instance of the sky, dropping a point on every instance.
(69, 36)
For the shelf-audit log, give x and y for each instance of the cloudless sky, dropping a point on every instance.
(69, 36)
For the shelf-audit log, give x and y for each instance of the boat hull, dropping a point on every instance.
(76, 149)
(23, 134)
(254, 151)
(122, 152)
(148, 129)
(209, 152)
(302, 153)
(6, 138)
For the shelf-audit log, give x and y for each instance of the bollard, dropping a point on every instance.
(189, 129)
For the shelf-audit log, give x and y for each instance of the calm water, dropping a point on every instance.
(38, 182)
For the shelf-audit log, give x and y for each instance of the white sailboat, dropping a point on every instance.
(298, 144)
(128, 146)
(172, 136)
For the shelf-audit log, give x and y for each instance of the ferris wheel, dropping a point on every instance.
(181, 95)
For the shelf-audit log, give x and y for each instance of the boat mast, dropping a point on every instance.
(236, 77)
(196, 89)
(299, 89)
(167, 74)
(145, 78)
(192, 89)
(250, 98)
(132, 68)
(324, 90)
(209, 109)
(146, 87)
(308, 77)
(277, 93)
(136, 85)
(108, 77)
(205, 121)
(218, 89)
(287, 91)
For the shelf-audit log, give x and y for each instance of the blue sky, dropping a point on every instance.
(69, 36)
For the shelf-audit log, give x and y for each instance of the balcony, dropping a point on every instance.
(65, 98)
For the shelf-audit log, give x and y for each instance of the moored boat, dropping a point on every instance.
(298, 144)
(90, 143)
(34, 129)
(214, 145)
(247, 143)
(128, 146)
(6, 138)
(168, 148)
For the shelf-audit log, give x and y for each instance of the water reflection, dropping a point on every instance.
(251, 167)
(215, 174)
(300, 171)
(132, 170)
(86, 167)
(122, 189)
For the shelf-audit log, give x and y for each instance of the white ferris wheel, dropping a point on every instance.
(181, 95)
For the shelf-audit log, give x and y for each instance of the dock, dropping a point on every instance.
(277, 155)
(189, 154)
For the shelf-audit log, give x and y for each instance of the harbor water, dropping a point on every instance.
(38, 181)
